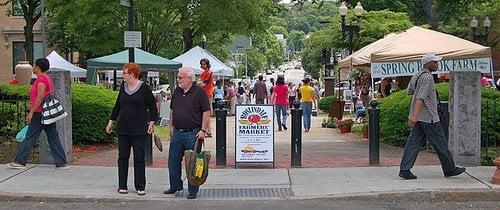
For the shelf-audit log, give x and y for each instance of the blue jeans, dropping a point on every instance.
(181, 141)
(34, 130)
(434, 132)
(281, 115)
(307, 109)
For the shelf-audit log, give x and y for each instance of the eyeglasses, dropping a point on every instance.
(179, 77)
(124, 73)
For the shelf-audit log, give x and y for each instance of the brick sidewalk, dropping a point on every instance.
(321, 148)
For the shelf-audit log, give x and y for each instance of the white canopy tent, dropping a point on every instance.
(58, 62)
(401, 56)
(192, 59)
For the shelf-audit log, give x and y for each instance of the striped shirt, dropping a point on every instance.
(425, 90)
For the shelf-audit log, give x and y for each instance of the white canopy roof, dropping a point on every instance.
(58, 62)
(401, 56)
(192, 59)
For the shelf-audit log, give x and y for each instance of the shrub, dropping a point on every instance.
(396, 107)
(14, 90)
(324, 103)
(489, 154)
(92, 106)
(91, 109)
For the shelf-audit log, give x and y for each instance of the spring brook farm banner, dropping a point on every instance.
(254, 126)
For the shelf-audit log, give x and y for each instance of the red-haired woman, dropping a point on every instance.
(135, 109)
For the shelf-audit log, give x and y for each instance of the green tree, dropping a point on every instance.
(373, 26)
(31, 13)
(203, 17)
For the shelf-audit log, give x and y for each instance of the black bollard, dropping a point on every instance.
(148, 153)
(220, 129)
(296, 135)
(374, 131)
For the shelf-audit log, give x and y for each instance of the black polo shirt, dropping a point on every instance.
(187, 108)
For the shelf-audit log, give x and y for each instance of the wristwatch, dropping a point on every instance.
(204, 131)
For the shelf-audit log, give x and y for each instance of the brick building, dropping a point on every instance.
(12, 41)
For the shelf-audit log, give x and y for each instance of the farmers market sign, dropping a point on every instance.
(254, 133)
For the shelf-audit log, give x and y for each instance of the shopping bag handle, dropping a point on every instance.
(197, 145)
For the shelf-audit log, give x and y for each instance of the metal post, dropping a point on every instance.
(42, 5)
(220, 129)
(148, 153)
(131, 27)
(374, 131)
(296, 148)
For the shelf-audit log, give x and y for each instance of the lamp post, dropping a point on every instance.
(481, 38)
(350, 28)
(203, 41)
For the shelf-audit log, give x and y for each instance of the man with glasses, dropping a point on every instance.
(189, 117)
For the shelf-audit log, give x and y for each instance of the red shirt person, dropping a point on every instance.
(206, 81)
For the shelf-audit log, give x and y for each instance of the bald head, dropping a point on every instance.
(187, 72)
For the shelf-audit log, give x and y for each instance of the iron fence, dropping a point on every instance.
(13, 110)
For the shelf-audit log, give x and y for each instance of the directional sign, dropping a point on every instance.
(132, 39)
(125, 3)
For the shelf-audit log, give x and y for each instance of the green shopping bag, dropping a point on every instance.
(21, 135)
(196, 164)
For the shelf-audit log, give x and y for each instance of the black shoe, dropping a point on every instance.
(284, 127)
(455, 172)
(406, 174)
(171, 191)
(192, 195)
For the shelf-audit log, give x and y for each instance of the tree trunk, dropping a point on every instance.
(187, 38)
(28, 44)
(431, 15)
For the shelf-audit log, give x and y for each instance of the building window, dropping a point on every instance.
(17, 10)
(19, 55)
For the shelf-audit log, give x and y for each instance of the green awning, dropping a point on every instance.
(147, 61)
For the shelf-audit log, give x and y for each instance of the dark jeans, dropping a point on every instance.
(180, 142)
(34, 130)
(434, 132)
(259, 101)
(137, 143)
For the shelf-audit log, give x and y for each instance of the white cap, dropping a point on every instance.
(430, 57)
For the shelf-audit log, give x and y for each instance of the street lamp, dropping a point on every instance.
(203, 41)
(350, 28)
(481, 38)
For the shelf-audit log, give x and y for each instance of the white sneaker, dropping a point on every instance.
(15, 165)
(63, 167)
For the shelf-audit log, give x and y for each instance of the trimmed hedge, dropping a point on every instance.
(92, 106)
(91, 109)
(396, 108)
(324, 103)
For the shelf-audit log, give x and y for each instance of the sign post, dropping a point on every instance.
(254, 136)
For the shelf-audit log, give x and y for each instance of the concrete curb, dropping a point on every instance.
(456, 195)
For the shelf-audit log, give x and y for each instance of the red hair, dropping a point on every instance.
(133, 68)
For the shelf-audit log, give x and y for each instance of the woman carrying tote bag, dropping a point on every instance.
(41, 88)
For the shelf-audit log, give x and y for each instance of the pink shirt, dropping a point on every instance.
(45, 79)
(281, 93)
